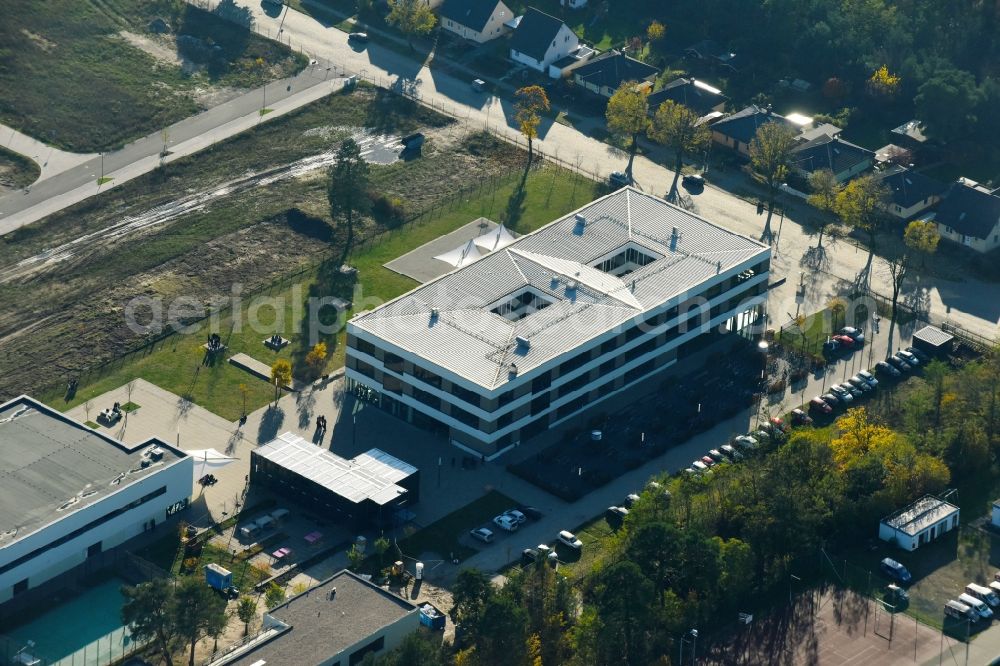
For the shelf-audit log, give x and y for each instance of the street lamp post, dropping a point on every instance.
(693, 633)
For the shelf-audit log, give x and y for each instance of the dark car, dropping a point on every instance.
(895, 571)
(630, 500)
(831, 347)
(359, 37)
(921, 356)
(615, 514)
(820, 405)
(530, 512)
(899, 363)
(693, 181)
(830, 399)
(886, 369)
(619, 179)
(528, 555)
(801, 418)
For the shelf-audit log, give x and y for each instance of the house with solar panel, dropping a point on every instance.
(558, 320)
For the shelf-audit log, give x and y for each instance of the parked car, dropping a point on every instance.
(899, 363)
(799, 417)
(895, 594)
(731, 451)
(619, 179)
(979, 606)
(983, 593)
(615, 514)
(779, 424)
(630, 500)
(528, 555)
(505, 523)
(845, 341)
(924, 358)
(820, 405)
(859, 383)
(483, 534)
(895, 570)
(868, 377)
(830, 347)
(717, 456)
(745, 442)
(854, 334)
(530, 512)
(909, 357)
(887, 369)
(516, 515)
(693, 180)
(960, 611)
(708, 461)
(831, 400)
(545, 551)
(699, 466)
(855, 392)
(569, 539)
(359, 37)
(842, 394)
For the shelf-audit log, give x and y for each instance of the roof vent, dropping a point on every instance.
(674, 237)
(633, 286)
(523, 342)
(718, 267)
(512, 371)
(581, 220)
(434, 315)
(156, 453)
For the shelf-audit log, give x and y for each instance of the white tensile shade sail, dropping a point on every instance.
(461, 256)
(207, 461)
(494, 240)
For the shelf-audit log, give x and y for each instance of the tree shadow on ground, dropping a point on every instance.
(269, 425)
(514, 210)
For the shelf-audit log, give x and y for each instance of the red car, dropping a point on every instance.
(779, 424)
(708, 461)
(846, 341)
(819, 405)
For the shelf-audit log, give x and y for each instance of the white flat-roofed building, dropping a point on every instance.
(921, 522)
(501, 349)
(68, 492)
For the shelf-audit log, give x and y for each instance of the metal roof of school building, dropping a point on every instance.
(52, 466)
(373, 475)
(920, 515)
(456, 321)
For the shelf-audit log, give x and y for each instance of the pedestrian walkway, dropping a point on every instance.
(80, 176)
(50, 159)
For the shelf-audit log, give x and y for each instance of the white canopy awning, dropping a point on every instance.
(207, 461)
(461, 256)
(494, 240)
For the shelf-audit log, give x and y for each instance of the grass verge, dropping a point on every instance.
(17, 171)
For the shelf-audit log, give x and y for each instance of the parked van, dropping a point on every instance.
(960, 611)
(977, 605)
(983, 594)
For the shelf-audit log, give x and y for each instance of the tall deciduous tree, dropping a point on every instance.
(919, 240)
(861, 205)
(411, 17)
(770, 158)
(347, 191)
(471, 593)
(502, 636)
(529, 103)
(946, 104)
(628, 115)
(677, 127)
(281, 375)
(197, 611)
(147, 613)
(246, 611)
(316, 359)
(825, 188)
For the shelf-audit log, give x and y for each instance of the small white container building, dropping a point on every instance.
(921, 522)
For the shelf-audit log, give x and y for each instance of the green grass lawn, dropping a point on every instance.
(72, 79)
(442, 536)
(17, 171)
(176, 363)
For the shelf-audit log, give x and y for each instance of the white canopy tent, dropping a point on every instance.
(461, 256)
(497, 239)
(207, 461)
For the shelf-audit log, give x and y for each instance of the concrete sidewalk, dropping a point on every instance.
(78, 178)
(51, 160)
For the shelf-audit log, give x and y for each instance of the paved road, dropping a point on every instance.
(971, 304)
(51, 160)
(74, 178)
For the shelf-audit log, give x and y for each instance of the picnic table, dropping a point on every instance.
(313, 537)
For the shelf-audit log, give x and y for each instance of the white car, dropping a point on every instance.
(546, 552)
(505, 523)
(569, 539)
(745, 442)
(482, 534)
(699, 466)
(516, 515)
